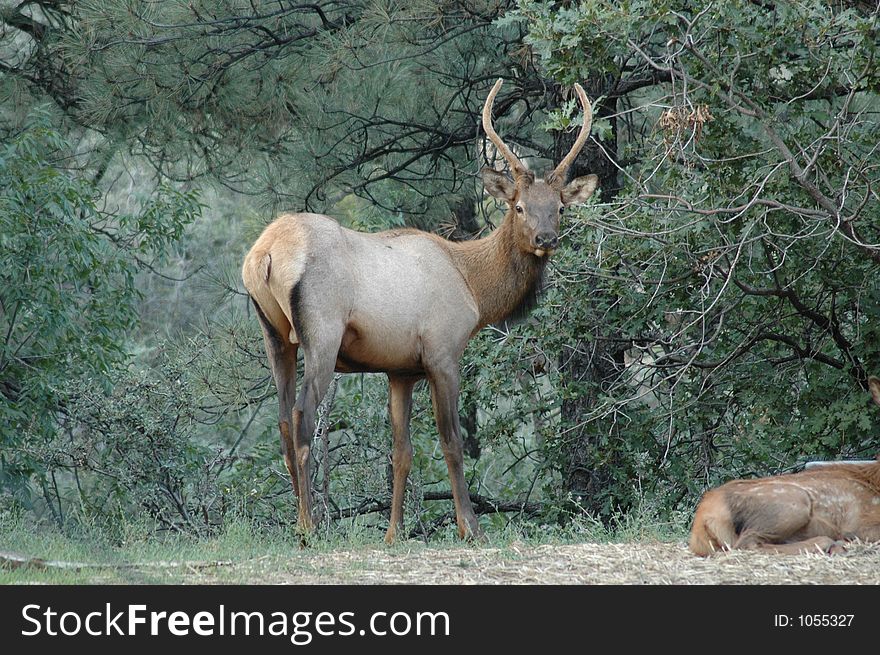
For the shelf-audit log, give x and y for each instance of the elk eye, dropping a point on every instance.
(519, 210)
(562, 210)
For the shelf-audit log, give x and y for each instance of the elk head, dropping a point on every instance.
(537, 203)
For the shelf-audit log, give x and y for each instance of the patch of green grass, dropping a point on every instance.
(132, 552)
(112, 555)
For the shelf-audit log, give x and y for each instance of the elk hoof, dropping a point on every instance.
(836, 548)
(391, 536)
(473, 533)
(305, 530)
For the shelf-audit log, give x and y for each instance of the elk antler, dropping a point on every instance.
(559, 173)
(516, 166)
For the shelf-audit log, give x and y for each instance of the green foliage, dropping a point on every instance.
(285, 101)
(715, 316)
(67, 287)
(741, 301)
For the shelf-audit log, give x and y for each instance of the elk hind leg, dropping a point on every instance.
(319, 355)
(282, 362)
(772, 519)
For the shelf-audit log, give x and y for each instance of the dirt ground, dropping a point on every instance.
(655, 563)
(589, 563)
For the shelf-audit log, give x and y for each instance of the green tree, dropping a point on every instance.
(67, 287)
(713, 315)
(737, 267)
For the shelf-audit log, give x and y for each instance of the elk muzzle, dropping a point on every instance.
(545, 243)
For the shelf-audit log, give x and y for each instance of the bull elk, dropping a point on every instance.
(403, 302)
(818, 509)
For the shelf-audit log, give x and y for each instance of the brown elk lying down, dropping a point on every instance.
(816, 510)
(402, 302)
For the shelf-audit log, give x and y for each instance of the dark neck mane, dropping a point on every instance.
(504, 279)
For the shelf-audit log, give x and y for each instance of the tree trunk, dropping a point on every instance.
(588, 452)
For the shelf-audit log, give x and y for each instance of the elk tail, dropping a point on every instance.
(264, 278)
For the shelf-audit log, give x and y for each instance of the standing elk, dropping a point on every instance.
(818, 509)
(403, 302)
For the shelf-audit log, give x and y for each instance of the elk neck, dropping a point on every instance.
(503, 278)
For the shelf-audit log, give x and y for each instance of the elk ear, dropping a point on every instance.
(498, 185)
(579, 189)
(874, 386)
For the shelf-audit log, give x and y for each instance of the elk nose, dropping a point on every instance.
(547, 240)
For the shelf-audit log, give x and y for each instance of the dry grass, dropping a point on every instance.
(589, 563)
(657, 563)
(640, 551)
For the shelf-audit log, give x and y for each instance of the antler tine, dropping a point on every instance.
(561, 170)
(516, 166)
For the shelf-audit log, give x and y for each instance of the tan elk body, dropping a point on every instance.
(815, 510)
(403, 302)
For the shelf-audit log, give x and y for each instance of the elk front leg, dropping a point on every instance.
(825, 545)
(400, 409)
(444, 395)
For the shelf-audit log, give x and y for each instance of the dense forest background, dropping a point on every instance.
(713, 313)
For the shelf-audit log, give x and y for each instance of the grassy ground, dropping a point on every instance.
(636, 551)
